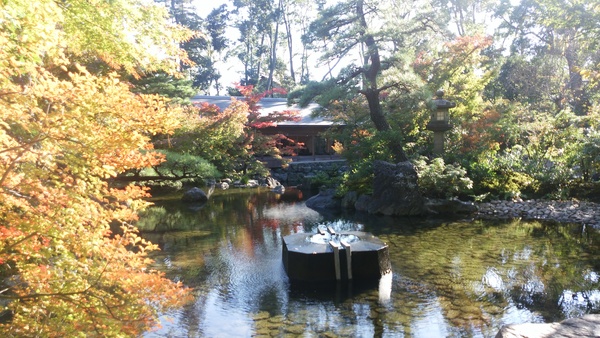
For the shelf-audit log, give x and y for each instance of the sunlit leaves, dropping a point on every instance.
(72, 264)
(124, 33)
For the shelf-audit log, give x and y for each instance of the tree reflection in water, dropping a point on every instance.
(450, 278)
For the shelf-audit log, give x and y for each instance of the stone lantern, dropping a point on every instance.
(440, 121)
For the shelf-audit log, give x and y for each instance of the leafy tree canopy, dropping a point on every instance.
(71, 262)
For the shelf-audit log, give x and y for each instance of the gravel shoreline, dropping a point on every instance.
(581, 212)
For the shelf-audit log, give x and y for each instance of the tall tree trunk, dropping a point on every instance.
(579, 97)
(247, 63)
(371, 90)
(288, 32)
(304, 72)
(273, 55)
(375, 110)
(261, 48)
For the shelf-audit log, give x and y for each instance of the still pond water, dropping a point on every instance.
(450, 278)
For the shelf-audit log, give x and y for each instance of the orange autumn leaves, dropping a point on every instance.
(71, 262)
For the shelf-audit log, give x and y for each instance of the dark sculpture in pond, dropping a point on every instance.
(329, 256)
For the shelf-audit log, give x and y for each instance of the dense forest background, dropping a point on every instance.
(524, 76)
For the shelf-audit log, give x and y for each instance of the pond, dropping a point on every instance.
(450, 278)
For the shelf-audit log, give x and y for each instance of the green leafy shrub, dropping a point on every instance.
(322, 179)
(508, 185)
(501, 175)
(441, 180)
(365, 147)
(589, 155)
(359, 178)
(178, 169)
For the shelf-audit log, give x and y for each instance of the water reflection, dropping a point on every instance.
(450, 278)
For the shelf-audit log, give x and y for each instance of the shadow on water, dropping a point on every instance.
(337, 291)
(450, 277)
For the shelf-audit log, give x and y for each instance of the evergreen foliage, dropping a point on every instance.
(524, 123)
(179, 90)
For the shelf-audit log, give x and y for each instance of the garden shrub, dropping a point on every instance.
(179, 169)
(361, 150)
(359, 179)
(441, 180)
(500, 175)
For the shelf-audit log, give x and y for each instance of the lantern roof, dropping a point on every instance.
(442, 103)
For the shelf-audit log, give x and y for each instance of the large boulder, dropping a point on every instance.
(362, 203)
(395, 190)
(194, 195)
(349, 200)
(325, 200)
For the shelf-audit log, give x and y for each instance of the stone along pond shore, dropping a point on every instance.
(581, 212)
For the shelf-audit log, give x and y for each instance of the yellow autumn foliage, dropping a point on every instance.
(63, 132)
